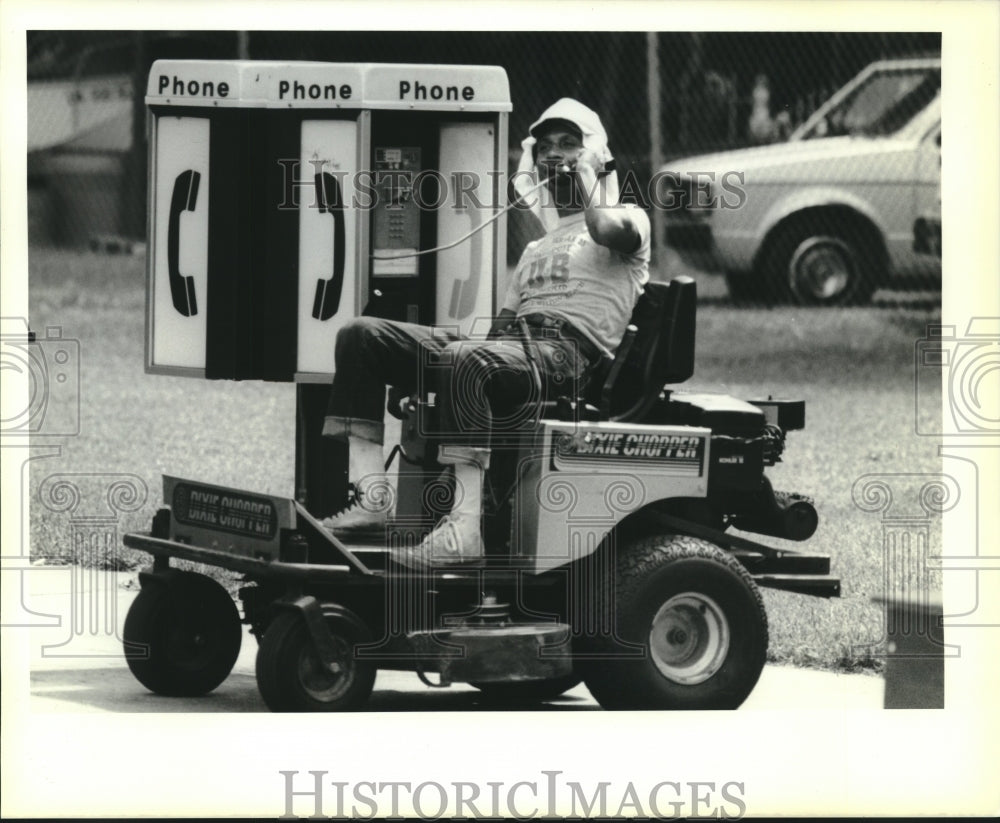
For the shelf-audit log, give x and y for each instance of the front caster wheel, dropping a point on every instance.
(292, 677)
(690, 626)
(182, 634)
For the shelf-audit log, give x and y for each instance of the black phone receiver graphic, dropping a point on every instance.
(463, 292)
(184, 198)
(328, 196)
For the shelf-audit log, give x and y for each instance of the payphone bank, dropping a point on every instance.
(289, 197)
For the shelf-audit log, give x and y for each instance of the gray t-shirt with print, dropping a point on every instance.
(568, 274)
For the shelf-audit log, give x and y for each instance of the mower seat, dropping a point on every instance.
(657, 350)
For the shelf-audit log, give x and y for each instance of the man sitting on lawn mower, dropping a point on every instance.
(574, 289)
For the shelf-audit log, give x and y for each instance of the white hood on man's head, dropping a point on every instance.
(595, 139)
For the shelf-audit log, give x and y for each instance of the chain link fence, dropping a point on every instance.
(662, 96)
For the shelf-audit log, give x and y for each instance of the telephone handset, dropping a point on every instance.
(464, 292)
(184, 198)
(328, 196)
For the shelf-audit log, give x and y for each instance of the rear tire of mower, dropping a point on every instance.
(291, 677)
(190, 630)
(696, 623)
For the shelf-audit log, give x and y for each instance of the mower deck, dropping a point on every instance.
(784, 569)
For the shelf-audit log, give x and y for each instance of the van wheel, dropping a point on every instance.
(291, 676)
(182, 634)
(689, 629)
(821, 263)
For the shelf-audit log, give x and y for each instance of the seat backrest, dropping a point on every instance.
(659, 352)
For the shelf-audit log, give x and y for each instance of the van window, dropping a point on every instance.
(882, 105)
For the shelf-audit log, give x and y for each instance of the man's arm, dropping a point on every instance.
(611, 226)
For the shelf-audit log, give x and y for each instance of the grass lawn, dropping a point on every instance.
(853, 367)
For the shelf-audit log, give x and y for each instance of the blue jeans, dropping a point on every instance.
(481, 387)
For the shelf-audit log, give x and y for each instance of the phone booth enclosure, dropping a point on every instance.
(283, 196)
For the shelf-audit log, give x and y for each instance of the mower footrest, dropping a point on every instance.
(158, 547)
(818, 585)
(793, 563)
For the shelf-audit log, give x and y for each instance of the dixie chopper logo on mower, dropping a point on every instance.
(681, 450)
(227, 511)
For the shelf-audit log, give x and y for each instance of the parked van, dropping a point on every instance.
(851, 202)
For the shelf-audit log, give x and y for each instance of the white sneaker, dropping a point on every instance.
(356, 520)
(455, 541)
(368, 511)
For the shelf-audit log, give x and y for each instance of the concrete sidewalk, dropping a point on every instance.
(72, 618)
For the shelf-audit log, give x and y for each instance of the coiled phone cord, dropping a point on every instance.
(468, 234)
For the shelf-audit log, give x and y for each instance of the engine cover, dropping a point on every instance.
(577, 480)
(721, 413)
